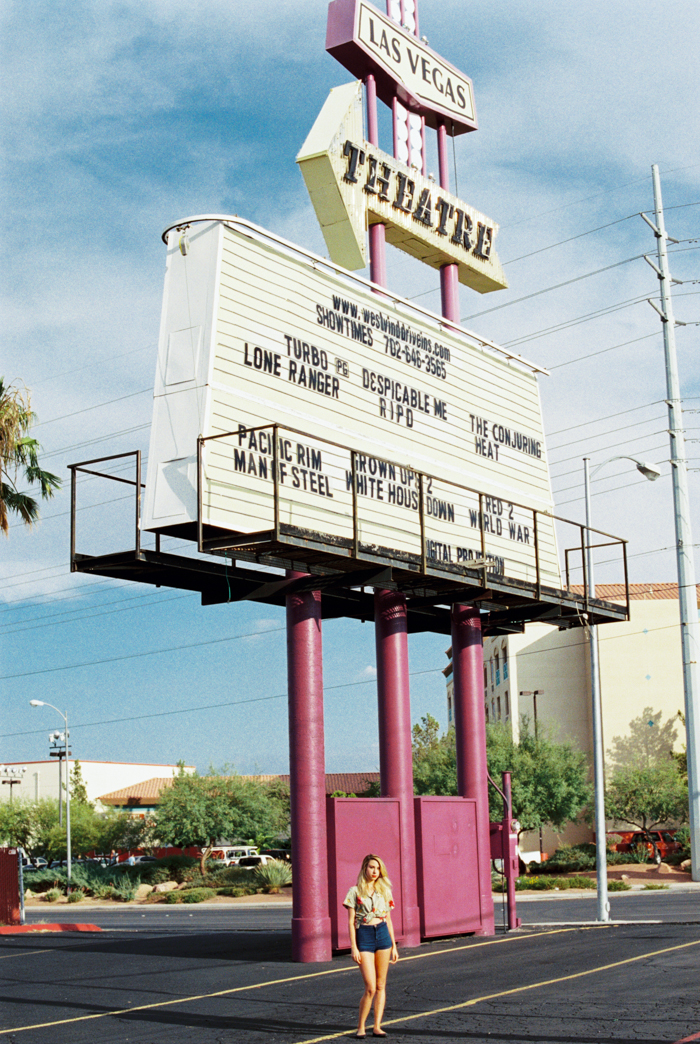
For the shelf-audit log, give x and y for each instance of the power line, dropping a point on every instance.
(91, 615)
(571, 239)
(605, 432)
(592, 355)
(95, 362)
(138, 655)
(547, 289)
(211, 706)
(98, 406)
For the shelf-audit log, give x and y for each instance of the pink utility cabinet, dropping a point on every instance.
(448, 866)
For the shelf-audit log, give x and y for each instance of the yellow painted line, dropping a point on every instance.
(509, 993)
(23, 953)
(272, 982)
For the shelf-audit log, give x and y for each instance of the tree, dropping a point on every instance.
(19, 456)
(647, 797)
(204, 810)
(648, 742)
(434, 758)
(549, 780)
(18, 824)
(78, 790)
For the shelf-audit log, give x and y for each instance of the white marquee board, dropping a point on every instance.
(254, 332)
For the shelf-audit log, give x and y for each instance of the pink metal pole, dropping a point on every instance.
(449, 274)
(311, 924)
(395, 749)
(470, 730)
(510, 857)
(377, 233)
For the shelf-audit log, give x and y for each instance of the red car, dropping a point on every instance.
(659, 843)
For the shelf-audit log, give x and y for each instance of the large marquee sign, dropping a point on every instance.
(366, 41)
(368, 392)
(353, 184)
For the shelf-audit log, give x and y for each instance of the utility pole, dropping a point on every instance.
(687, 589)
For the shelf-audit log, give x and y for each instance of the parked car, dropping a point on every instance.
(250, 862)
(229, 855)
(283, 854)
(659, 843)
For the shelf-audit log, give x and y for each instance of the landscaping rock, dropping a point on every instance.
(142, 891)
(686, 865)
(166, 886)
(664, 868)
(625, 877)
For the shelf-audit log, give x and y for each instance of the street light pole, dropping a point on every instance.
(535, 693)
(601, 861)
(687, 590)
(42, 703)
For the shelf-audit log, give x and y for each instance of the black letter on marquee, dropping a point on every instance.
(354, 154)
(485, 241)
(445, 211)
(423, 211)
(406, 188)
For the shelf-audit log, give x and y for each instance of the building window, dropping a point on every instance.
(486, 680)
(449, 710)
(492, 669)
(493, 707)
(498, 702)
(507, 699)
(486, 708)
(505, 663)
(498, 669)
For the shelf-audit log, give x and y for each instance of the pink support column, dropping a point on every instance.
(311, 924)
(470, 729)
(449, 274)
(377, 233)
(395, 750)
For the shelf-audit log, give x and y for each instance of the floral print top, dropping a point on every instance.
(368, 907)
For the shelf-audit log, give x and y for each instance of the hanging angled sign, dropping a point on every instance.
(353, 184)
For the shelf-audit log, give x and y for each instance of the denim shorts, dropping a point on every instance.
(373, 937)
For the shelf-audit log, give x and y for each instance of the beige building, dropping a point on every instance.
(41, 777)
(545, 675)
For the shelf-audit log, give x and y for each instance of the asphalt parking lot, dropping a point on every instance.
(219, 978)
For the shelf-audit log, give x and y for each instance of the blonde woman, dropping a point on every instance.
(372, 939)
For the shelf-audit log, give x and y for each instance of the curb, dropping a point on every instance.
(23, 929)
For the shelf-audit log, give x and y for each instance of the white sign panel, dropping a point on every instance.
(254, 333)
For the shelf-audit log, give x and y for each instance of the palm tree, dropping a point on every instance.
(19, 455)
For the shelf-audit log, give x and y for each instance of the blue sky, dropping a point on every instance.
(121, 118)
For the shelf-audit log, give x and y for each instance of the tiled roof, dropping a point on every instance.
(148, 792)
(348, 782)
(145, 793)
(638, 592)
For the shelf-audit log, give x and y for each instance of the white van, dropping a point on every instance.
(230, 854)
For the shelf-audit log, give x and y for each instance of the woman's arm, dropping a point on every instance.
(394, 947)
(353, 937)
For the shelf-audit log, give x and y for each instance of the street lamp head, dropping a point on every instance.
(648, 470)
(37, 703)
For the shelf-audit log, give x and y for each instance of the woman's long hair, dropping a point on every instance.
(382, 884)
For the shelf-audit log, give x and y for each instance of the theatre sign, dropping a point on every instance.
(385, 414)
(353, 184)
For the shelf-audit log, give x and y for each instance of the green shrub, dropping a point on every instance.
(235, 892)
(639, 854)
(77, 896)
(172, 897)
(197, 895)
(618, 886)
(53, 895)
(580, 881)
(655, 888)
(274, 876)
(683, 837)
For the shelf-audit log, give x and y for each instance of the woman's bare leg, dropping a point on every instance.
(370, 980)
(381, 967)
